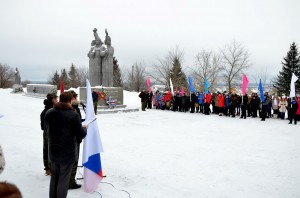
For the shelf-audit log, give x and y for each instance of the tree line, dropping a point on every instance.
(224, 66)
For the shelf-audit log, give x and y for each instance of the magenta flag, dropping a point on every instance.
(245, 84)
(182, 91)
(148, 84)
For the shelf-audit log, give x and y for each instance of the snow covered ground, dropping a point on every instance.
(162, 154)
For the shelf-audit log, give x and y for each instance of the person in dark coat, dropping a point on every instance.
(194, 100)
(49, 102)
(175, 100)
(143, 96)
(293, 110)
(95, 97)
(244, 104)
(264, 106)
(64, 128)
(75, 104)
(149, 100)
(254, 105)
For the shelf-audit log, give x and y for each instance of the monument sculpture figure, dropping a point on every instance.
(17, 77)
(101, 61)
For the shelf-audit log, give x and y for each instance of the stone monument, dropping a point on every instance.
(101, 61)
(101, 73)
(17, 77)
(17, 87)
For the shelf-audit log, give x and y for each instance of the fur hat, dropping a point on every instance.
(50, 96)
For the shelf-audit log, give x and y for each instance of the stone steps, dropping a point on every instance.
(117, 109)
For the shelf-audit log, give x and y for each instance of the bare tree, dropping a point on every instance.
(161, 71)
(235, 62)
(136, 77)
(262, 75)
(208, 66)
(25, 82)
(6, 76)
(83, 74)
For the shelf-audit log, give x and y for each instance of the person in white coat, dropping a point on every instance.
(282, 106)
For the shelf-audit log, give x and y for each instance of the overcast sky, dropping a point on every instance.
(40, 36)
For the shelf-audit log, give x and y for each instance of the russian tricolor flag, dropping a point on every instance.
(92, 147)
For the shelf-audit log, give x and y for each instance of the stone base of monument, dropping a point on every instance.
(117, 109)
(17, 88)
(116, 94)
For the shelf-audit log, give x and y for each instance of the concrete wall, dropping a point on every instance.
(40, 89)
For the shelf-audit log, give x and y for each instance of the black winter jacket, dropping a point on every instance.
(63, 126)
(48, 105)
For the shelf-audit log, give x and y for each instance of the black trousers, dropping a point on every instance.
(60, 176)
(45, 151)
(206, 108)
(74, 168)
(263, 112)
(244, 108)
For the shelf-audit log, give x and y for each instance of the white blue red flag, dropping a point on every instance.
(92, 147)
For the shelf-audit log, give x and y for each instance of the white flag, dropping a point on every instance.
(294, 79)
(171, 87)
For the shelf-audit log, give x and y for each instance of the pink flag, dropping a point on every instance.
(182, 91)
(245, 84)
(148, 84)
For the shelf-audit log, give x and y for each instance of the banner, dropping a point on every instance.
(293, 80)
(245, 84)
(92, 147)
(261, 91)
(171, 87)
(206, 86)
(148, 84)
(192, 89)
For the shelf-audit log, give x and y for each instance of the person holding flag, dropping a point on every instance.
(264, 97)
(293, 110)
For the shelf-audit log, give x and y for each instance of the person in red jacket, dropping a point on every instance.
(207, 101)
(221, 103)
(297, 116)
(168, 99)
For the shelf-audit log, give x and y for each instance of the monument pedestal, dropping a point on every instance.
(116, 93)
(17, 88)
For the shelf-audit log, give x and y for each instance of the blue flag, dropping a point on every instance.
(192, 89)
(206, 86)
(261, 91)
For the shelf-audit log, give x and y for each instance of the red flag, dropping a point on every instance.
(62, 87)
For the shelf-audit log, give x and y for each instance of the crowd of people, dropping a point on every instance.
(227, 104)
